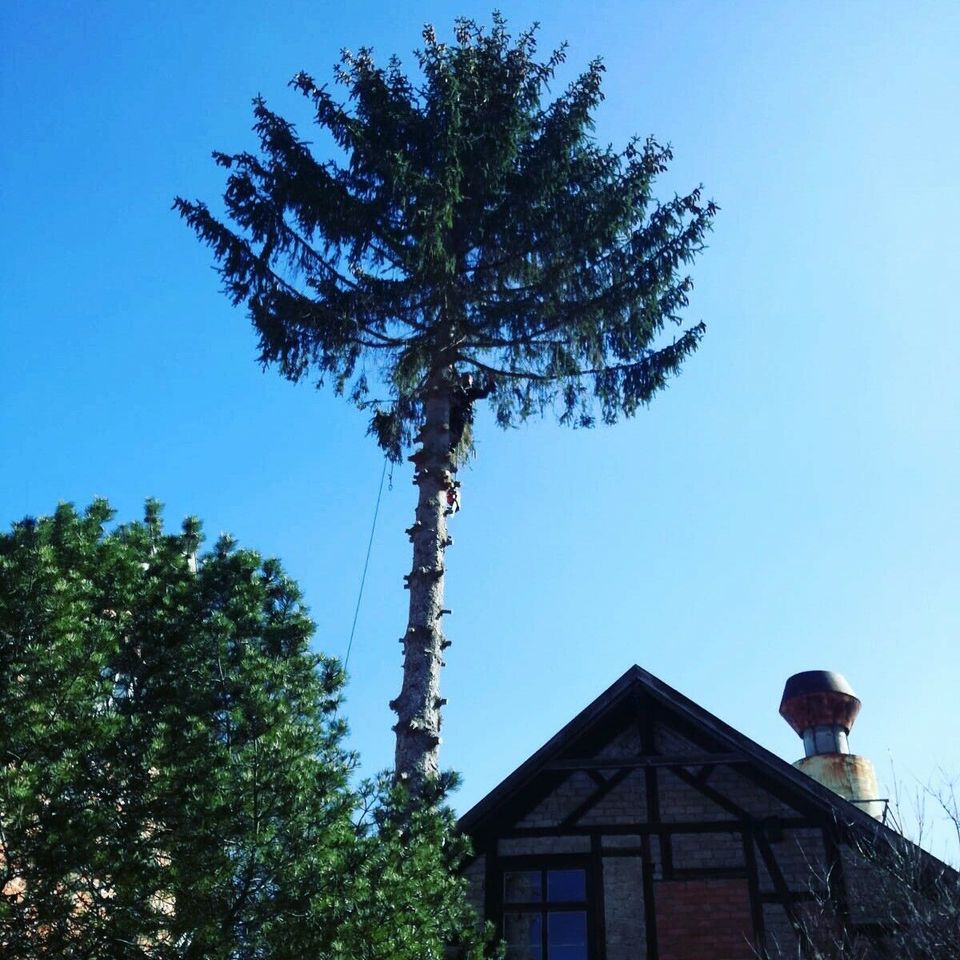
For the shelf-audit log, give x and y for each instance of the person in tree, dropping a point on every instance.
(464, 226)
(462, 400)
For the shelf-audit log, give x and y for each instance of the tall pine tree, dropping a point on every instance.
(470, 240)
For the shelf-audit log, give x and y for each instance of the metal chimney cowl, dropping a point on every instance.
(821, 707)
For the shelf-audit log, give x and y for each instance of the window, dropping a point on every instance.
(545, 914)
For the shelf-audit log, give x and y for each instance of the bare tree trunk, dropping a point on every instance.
(418, 705)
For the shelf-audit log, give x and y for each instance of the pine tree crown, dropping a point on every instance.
(470, 225)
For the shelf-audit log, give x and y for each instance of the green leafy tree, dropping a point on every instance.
(173, 781)
(467, 239)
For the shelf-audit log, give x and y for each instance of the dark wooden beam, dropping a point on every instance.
(649, 903)
(590, 802)
(492, 892)
(785, 895)
(598, 934)
(655, 760)
(518, 807)
(722, 801)
(836, 878)
(753, 885)
(798, 896)
(707, 873)
(648, 744)
(640, 829)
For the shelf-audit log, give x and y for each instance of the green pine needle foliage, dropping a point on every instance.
(173, 779)
(467, 223)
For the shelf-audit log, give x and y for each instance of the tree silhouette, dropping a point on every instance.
(174, 782)
(468, 240)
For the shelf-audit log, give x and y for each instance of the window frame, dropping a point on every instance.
(544, 863)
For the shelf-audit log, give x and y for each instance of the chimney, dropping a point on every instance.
(821, 707)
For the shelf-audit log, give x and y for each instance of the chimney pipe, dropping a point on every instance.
(821, 707)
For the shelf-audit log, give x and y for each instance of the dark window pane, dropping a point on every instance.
(566, 931)
(567, 953)
(523, 932)
(521, 886)
(566, 885)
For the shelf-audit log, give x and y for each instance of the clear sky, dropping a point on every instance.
(790, 503)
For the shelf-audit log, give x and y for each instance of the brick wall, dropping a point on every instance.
(564, 800)
(625, 804)
(623, 908)
(703, 919)
(800, 858)
(475, 875)
(697, 851)
(518, 846)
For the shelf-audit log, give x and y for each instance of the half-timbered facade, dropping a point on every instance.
(648, 829)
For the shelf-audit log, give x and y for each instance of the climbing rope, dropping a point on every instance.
(366, 562)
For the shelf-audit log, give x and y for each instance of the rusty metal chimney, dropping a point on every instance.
(821, 707)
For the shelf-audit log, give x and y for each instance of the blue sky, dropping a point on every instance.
(789, 503)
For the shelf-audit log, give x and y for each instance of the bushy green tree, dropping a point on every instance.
(466, 238)
(173, 779)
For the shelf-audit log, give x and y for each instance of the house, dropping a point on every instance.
(648, 829)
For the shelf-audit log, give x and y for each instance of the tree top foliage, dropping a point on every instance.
(173, 778)
(469, 225)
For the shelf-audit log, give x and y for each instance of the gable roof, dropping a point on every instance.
(638, 682)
